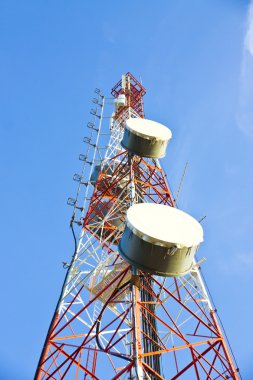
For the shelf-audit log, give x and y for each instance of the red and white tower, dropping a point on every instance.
(133, 304)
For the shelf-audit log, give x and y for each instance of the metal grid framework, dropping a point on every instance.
(113, 321)
(134, 92)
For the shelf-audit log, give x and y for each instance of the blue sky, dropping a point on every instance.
(196, 60)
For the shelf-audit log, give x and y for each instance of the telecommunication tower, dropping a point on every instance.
(133, 303)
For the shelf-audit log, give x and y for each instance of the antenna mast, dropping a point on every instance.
(133, 304)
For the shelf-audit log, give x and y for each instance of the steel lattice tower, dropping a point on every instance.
(113, 321)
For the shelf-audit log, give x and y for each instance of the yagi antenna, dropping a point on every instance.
(181, 183)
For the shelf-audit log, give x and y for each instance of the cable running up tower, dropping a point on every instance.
(133, 304)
